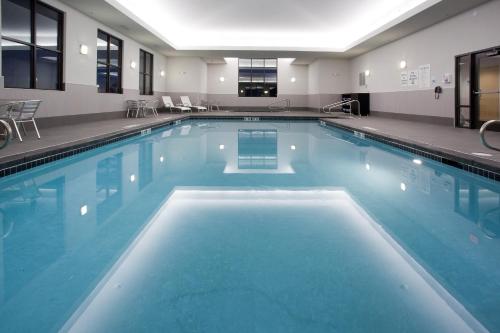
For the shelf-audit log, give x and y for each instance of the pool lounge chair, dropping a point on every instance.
(24, 112)
(187, 102)
(167, 100)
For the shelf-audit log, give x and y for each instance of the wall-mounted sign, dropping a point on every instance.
(413, 78)
(404, 78)
(424, 73)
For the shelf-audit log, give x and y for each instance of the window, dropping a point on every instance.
(109, 63)
(32, 45)
(146, 73)
(258, 78)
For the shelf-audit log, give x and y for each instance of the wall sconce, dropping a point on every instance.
(162, 73)
(402, 64)
(83, 210)
(367, 73)
(132, 178)
(293, 79)
(84, 49)
(133, 65)
(222, 79)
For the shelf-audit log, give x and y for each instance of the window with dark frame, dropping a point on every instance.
(258, 77)
(146, 73)
(109, 63)
(32, 45)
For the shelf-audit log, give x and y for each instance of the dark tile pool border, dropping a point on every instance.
(37, 159)
(433, 153)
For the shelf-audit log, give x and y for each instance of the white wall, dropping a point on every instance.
(437, 45)
(226, 92)
(286, 70)
(186, 75)
(316, 84)
(329, 76)
(80, 71)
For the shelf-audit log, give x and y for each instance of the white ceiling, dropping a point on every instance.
(287, 25)
(306, 28)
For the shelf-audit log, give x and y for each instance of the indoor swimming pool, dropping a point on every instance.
(249, 226)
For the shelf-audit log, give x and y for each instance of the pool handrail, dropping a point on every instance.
(286, 107)
(332, 106)
(482, 133)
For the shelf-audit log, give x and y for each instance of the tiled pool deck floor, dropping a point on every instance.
(462, 143)
(459, 142)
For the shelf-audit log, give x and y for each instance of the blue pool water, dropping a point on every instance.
(225, 226)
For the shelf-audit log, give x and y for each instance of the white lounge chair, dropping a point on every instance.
(187, 102)
(167, 100)
(24, 112)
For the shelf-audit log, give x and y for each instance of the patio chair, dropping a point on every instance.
(215, 105)
(187, 102)
(24, 112)
(151, 105)
(167, 100)
(132, 106)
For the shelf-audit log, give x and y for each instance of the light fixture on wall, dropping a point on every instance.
(222, 79)
(84, 49)
(162, 73)
(293, 79)
(133, 64)
(132, 178)
(402, 64)
(367, 73)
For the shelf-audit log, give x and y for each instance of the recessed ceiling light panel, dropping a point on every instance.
(235, 25)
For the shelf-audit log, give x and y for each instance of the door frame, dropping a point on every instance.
(473, 87)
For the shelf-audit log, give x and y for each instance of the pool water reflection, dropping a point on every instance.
(264, 251)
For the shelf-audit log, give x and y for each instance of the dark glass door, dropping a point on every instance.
(463, 113)
(487, 90)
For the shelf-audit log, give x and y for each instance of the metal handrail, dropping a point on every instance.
(5, 130)
(286, 107)
(341, 103)
(482, 133)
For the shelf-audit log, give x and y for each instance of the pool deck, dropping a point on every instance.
(456, 143)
